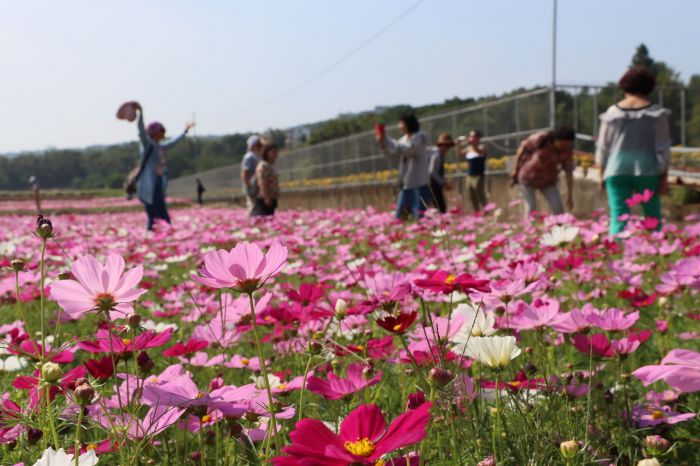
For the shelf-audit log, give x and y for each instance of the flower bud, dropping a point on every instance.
(313, 348)
(649, 462)
(133, 320)
(17, 265)
(569, 449)
(145, 362)
(34, 435)
(84, 394)
(51, 372)
(415, 400)
(44, 228)
(341, 308)
(440, 377)
(64, 276)
(656, 445)
(530, 368)
(368, 371)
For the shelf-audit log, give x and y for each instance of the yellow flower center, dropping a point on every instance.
(360, 347)
(361, 447)
(245, 361)
(397, 327)
(379, 463)
(126, 341)
(282, 387)
(206, 418)
(91, 446)
(657, 414)
(199, 395)
(450, 279)
(516, 383)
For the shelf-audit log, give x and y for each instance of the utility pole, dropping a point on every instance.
(552, 91)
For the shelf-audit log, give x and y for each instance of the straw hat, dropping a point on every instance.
(445, 139)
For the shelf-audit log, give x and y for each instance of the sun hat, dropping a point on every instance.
(252, 141)
(445, 139)
(127, 111)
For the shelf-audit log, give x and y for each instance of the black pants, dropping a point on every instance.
(158, 209)
(263, 210)
(438, 197)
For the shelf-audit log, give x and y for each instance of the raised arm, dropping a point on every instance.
(143, 136)
(172, 142)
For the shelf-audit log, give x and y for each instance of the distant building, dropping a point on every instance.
(297, 135)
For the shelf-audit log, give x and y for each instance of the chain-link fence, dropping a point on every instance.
(503, 123)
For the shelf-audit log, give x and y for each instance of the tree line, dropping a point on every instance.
(106, 166)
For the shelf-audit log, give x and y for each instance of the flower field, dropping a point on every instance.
(346, 338)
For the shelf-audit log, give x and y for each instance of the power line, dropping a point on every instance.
(340, 60)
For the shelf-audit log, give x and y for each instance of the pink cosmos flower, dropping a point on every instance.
(541, 314)
(336, 387)
(640, 198)
(680, 369)
(613, 319)
(98, 287)
(148, 339)
(243, 268)
(362, 440)
(597, 344)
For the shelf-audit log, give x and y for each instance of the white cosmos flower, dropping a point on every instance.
(496, 352)
(158, 327)
(259, 380)
(476, 324)
(560, 235)
(61, 458)
(12, 363)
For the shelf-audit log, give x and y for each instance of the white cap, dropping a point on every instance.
(32, 179)
(253, 140)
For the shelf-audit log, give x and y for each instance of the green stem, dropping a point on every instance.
(19, 304)
(49, 411)
(263, 369)
(424, 443)
(41, 294)
(76, 452)
(303, 387)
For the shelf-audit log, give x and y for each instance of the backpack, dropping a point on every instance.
(133, 177)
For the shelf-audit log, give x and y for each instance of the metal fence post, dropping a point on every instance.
(683, 116)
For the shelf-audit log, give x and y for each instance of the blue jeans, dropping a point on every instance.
(158, 209)
(413, 202)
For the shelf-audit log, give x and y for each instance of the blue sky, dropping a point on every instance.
(66, 66)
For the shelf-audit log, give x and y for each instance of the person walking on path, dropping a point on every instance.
(200, 191)
(152, 183)
(248, 165)
(268, 182)
(414, 177)
(634, 148)
(438, 182)
(36, 193)
(537, 164)
(475, 153)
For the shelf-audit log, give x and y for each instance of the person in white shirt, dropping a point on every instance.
(248, 165)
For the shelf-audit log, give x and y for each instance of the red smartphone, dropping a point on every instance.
(380, 130)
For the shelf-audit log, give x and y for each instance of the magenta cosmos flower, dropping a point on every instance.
(244, 268)
(363, 438)
(98, 287)
(336, 387)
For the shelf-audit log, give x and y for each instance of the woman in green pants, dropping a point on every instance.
(634, 148)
